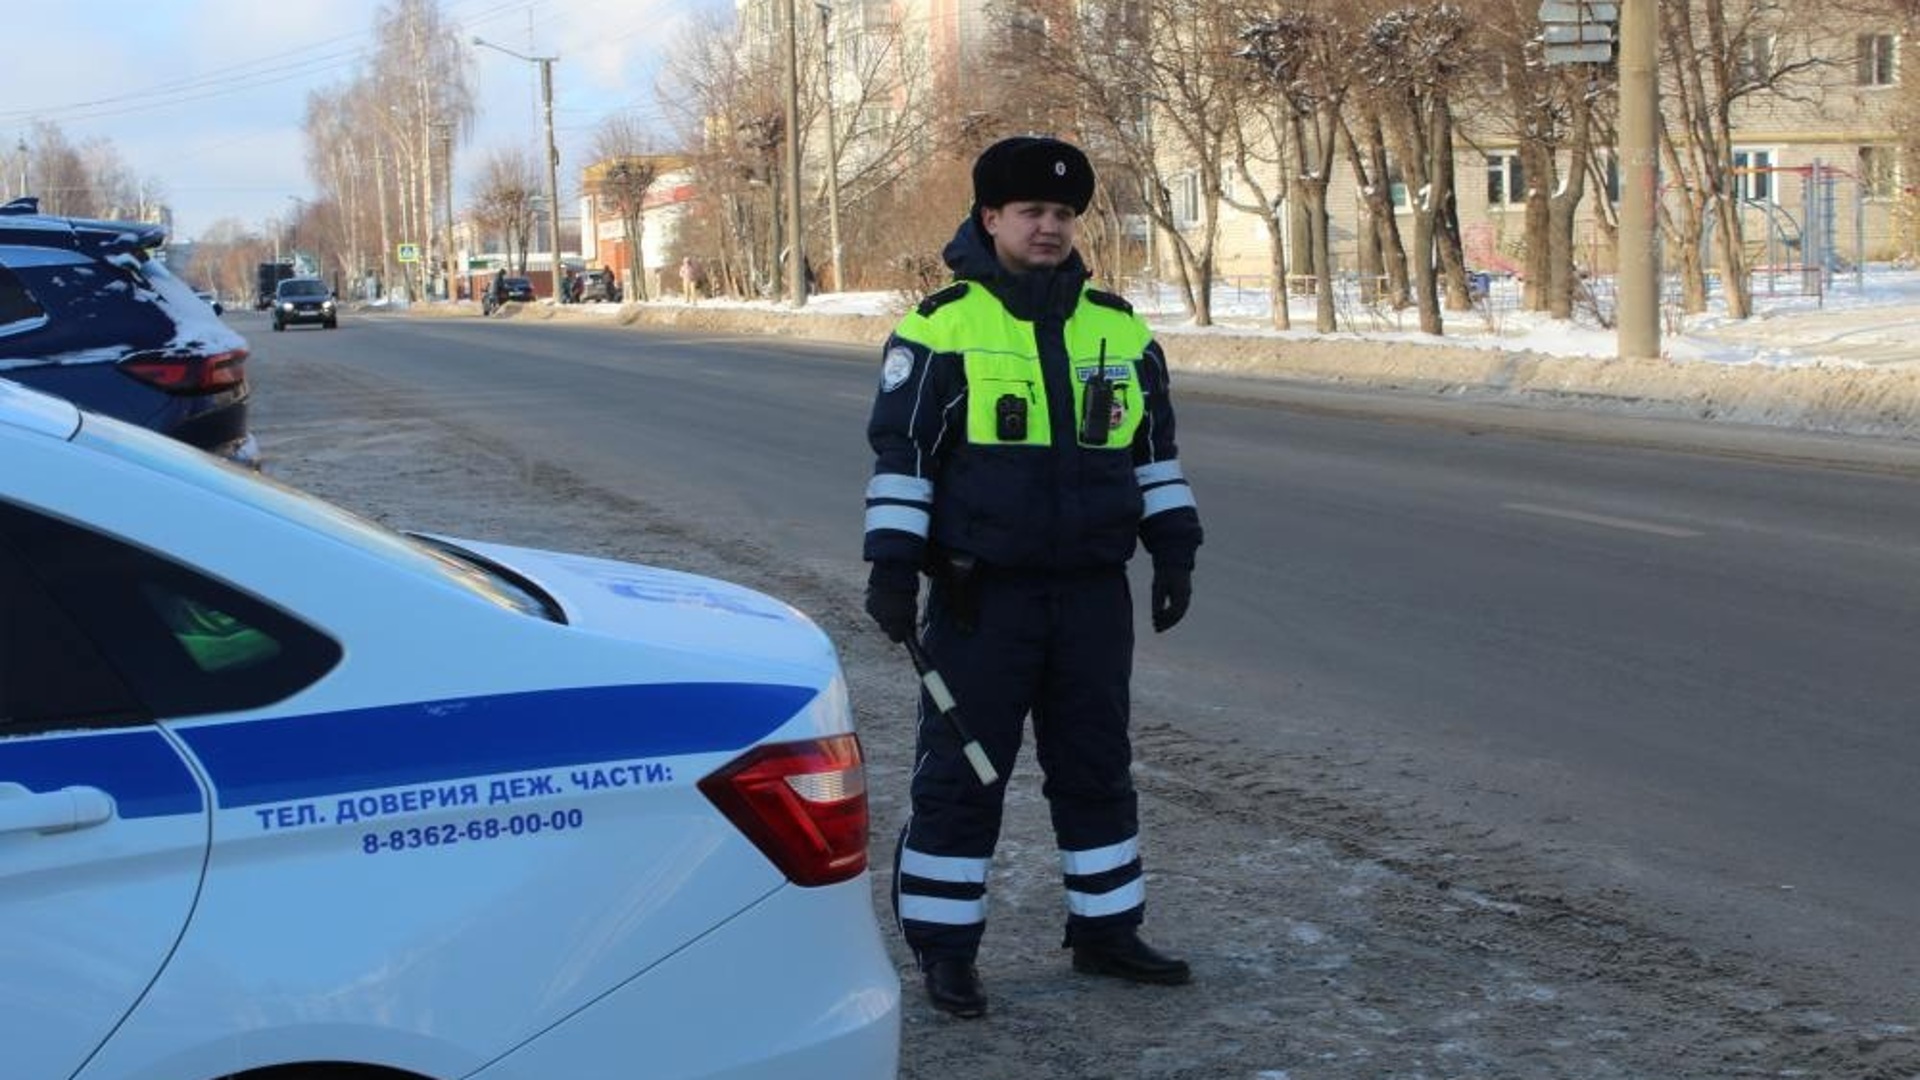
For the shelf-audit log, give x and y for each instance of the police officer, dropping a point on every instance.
(1024, 442)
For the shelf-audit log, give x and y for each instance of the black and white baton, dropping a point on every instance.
(943, 701)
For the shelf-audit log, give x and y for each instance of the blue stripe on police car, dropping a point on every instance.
(252, 763)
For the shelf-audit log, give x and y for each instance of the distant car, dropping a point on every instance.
(304, 300)
(88, 313)
(282, 790)
(519, 289)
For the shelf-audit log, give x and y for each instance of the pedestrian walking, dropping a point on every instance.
(1024, 444)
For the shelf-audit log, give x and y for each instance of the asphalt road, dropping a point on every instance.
(1672, 662)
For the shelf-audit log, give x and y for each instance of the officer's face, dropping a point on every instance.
(1030, 235)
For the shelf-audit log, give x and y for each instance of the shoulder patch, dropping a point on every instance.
(1109, 300)
(895, 369)
(937, 300)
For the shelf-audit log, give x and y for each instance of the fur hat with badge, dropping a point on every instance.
(1032, 168)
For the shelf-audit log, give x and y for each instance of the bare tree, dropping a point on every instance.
(1153, 83)
(420, 86)
(724, 98)
(630, 171)
(884, 127)
(1412, 58)
(1715, 54)
(504, 201)
(88, 180)
(1304, 55)
(225, 255)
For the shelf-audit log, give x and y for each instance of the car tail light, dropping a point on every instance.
(803, 804)
(190, 374)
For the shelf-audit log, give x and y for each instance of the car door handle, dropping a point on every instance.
(70, 808)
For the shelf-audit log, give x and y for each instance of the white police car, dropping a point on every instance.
(284, 794)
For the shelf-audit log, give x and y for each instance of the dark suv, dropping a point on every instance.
(89, 312)
(303, 300)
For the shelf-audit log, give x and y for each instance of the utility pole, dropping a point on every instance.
(1639, 299)
(553, 169)
(796, 246)
(386, 236)
(833, 150)
(449, 268)
(553, 151)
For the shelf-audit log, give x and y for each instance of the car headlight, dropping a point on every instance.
(327, 306)
(286, 305)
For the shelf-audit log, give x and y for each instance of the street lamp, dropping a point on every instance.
(553, 152)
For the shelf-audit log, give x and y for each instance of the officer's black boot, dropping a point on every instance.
(1127, 957)
(953, 985)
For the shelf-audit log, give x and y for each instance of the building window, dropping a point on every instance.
(1604, 171)
(1186, 199)
(1876, 59)
(1752, 181)
(1879, 172)
(1756, 59)
(1397, 191)
(1506, 181)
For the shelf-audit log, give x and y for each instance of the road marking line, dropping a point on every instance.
(1603, 519)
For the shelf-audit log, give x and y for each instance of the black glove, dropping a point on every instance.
(893, 598)
(1172, 592)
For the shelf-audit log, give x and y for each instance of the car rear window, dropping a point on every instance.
(98, 310)
(18, 309)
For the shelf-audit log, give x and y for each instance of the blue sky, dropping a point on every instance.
(206, 97)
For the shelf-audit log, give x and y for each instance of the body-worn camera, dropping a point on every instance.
(1010, 418)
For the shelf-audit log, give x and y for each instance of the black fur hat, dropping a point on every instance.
(1032, 168)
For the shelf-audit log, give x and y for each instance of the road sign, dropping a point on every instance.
(408, 253)
(1578, 11)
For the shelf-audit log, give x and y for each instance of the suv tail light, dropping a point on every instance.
(803, 804)
(190, 374)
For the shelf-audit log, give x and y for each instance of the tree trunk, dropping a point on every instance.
(1733, 258)
(1562, 206)
(1281, 317)
(1446, 209)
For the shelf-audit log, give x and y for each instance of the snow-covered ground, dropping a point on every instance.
(1864, 320)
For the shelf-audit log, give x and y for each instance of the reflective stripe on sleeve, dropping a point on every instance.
(1166, 497)
(943, 867)
(1100, 860)
(932, 909)
(903, 488)
(1094, 905)
(1158, 472)
(904, 518)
